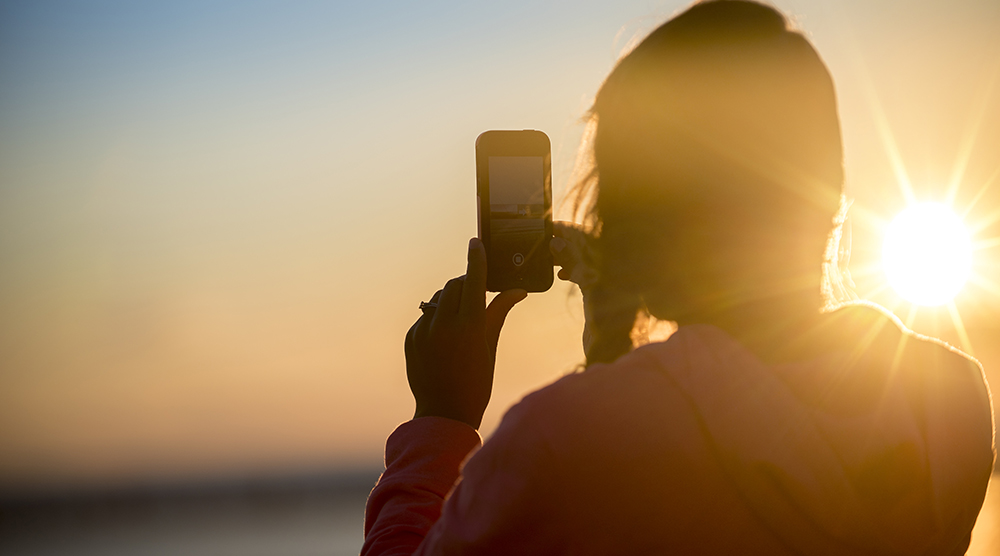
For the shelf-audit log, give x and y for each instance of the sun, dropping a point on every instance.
(927, 254)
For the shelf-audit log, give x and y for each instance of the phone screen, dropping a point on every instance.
(517, 205)
(515, 220)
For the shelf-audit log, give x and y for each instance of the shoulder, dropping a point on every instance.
(873, 327)
(878, 339)
(860, 349)
(609, 415)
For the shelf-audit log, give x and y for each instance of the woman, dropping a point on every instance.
(772, 421)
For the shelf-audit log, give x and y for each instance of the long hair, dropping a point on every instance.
(716, 172)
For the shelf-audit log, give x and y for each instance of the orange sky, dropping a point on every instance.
(216, 223)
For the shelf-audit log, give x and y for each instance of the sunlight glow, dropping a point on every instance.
(927, 254)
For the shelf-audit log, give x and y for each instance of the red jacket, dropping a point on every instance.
(694, 446)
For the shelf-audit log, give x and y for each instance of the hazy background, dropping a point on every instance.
(217, 218)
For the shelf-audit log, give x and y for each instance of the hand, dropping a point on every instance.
(451, 350)
(571, 249)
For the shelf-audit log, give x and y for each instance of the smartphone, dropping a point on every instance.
(514, 190)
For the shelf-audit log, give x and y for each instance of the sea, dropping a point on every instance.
(294, 516)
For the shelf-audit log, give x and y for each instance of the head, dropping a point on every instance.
(717, 163)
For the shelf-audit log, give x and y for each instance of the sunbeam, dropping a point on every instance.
(984, 244)
(889, 142)
(984, 283)
(979, 194)
(970, 135)
(963, 336)
(911, 316)
(881, 122)
(991, 219)
(874, 292)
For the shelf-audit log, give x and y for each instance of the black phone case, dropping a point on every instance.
(523, 264)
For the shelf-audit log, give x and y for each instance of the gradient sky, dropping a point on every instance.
(217, 219)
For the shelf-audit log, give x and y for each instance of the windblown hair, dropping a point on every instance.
(716, 176)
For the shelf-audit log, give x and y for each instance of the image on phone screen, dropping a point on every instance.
(517, 206)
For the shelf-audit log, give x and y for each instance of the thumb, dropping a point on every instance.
(497, 311)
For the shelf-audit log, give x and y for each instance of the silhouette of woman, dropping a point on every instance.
(779, 418)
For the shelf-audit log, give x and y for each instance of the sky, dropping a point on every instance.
(217, 219)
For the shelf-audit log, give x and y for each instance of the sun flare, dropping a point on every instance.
(927, 254)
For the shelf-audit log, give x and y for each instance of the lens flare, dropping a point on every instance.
(927, 254)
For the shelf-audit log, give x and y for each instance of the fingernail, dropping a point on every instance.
(472, 243)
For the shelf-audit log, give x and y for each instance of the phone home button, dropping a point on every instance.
(518, 259)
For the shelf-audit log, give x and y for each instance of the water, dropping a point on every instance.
(316, 517)
(304, 518)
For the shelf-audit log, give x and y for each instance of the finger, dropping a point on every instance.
(572, 233)
(496, 313)
(556, 245)
(408, 340)
(423, 324)
(562, 253)
(474, 289)
(451, 297)
(561, 228)
(566, 254)
(411, 344)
